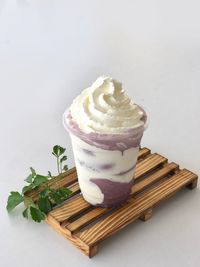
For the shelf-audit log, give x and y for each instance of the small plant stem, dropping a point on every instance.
(58, 165)
(61, 167)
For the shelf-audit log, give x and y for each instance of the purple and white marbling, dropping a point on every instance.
(106, 128)
(105, 162)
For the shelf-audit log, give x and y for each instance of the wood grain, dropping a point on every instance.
(96, 212)
(149, 164)
(78, 205)
(69, 177)
(65, 233)
(86, 226)
(135, 208)
(65, 179)
(70, 209)
(146, 215)
(143, 153)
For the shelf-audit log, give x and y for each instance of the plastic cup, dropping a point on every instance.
(105, 163)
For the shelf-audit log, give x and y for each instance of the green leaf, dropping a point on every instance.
(49, 174)
(27, 188)
(58, 150)
(14, 200)
(63, 159)
(56, 197)
(39, 179)
(44, 204)
(25, 213)
(45, 192)
(36, 214)
(29, 179)
(28, 201)
(64, 192)
(33, 171)
(65, 167)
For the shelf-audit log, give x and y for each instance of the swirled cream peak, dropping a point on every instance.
(105, 108)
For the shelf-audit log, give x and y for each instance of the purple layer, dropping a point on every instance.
(97, 167)
(88, 152)
(126, 171)
(121, 142)
(114, 192)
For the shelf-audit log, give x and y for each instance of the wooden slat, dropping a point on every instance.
(167, 169)
(70, 177)
(155, 180)
(70, 209)
(74, 188)
(143, 152)
(86, 218)
(64, 232)
(65, 211)
(134, 209)
(149, 164)
(96, 212)
(66, 179)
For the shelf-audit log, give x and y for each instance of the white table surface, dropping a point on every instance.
(49, 51)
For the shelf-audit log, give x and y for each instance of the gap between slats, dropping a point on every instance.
(78, 204)
(96, 213)
(134, 208)
(70, 177)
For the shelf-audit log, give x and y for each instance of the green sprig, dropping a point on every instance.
(47, 198)
(58, 151)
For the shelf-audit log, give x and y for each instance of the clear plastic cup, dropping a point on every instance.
(105, 163)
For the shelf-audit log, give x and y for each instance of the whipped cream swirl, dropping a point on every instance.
(105, 108)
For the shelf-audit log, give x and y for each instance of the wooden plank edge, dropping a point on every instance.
(54, 182)
(88, 251)
(59, 179)
(191, 185)
(143, 152)
(136, 186)
(172, 184)
(91, 251)
(83, 221)
(146, 215)
(141, 169)
(194, 183)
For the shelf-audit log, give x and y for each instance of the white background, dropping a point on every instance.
(52, 49)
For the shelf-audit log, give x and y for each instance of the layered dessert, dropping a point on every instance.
(106, 128)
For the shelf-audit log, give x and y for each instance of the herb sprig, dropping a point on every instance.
(48, 196)
(58, 152)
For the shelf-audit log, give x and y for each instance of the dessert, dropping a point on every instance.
(106, 128)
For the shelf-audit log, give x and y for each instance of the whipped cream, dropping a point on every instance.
(105, 108)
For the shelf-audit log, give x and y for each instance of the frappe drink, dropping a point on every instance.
(106, 128)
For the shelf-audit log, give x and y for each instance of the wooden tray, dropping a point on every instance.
(86, 226)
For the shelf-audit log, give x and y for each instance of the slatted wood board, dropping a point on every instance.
(87, 226)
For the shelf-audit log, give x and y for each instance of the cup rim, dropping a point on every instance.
(146, 124)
